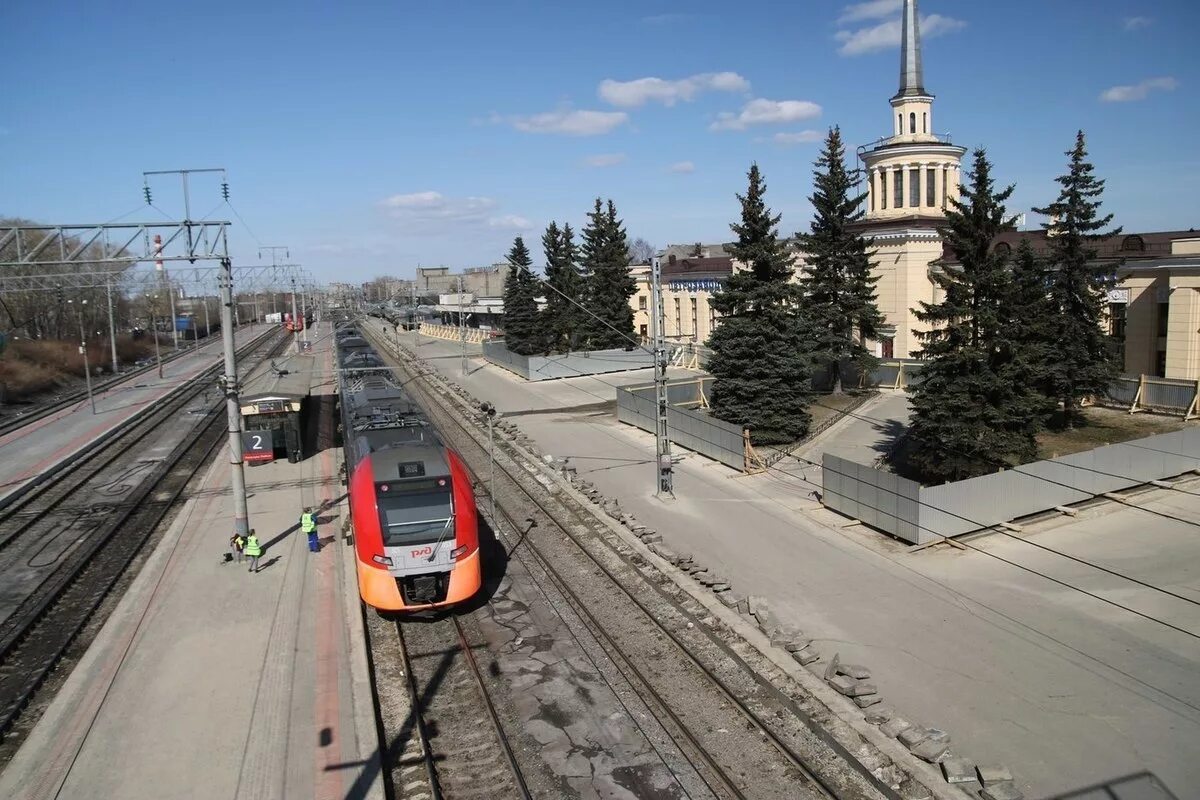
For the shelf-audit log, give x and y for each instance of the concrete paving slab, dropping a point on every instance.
(207, 681)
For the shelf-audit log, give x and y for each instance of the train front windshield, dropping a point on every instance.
(414, 514)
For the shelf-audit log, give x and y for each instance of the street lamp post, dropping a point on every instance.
(490, 411)
(87, 369)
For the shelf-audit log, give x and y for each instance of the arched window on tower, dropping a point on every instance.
(1133, 244)
(912, 122)
(899, 124)
(925, 123)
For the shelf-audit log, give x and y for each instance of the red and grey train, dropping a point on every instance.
(416, 534)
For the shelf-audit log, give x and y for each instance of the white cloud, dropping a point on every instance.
(432, 213)
(886, 35)
(604, 159)
(1137, 23)
(872, 9)
(631, 94)
(682, 167)
(1138, 91)
(800, 137)
(415, 200)
(571, 123)
(510, 222)
(766, 112)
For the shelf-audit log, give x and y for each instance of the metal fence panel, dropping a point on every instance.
(1123, 390)
(1168, 393)
(495, 352)
(880, 499)
(922, 514)
(691, 429)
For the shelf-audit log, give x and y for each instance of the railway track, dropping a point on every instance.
(800, 764)
(67, 543)
(460, 749)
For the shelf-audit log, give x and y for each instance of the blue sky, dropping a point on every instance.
(370, 137)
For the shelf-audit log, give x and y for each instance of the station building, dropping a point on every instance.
(911, 176)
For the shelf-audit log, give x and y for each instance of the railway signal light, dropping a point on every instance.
(61, 295)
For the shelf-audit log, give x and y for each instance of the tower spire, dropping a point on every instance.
(912, 83)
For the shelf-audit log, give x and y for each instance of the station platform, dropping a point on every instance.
(955, 639)
(27, 451)
(208, 681)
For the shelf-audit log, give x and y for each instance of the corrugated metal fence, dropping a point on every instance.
(569, 365)
(886, 501)
(695, 430)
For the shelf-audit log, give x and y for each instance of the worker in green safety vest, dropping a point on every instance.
(253, 550)
(308, 524)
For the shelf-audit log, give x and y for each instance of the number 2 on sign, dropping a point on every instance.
(258, 443)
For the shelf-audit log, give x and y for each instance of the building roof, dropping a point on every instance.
(686, 250)
(695, 267)
(912, 81)
(1127, 246)
(279, 378)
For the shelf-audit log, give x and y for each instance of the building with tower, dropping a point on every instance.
(911, 176)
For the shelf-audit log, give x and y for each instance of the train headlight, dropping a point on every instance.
(458, 552)
(378, 559)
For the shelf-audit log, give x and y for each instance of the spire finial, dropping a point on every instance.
(912, 81)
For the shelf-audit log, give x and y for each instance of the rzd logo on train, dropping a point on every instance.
(422, 551)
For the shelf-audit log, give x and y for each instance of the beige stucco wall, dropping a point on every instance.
(681, 328)
(1183, 328)
(1181, 290)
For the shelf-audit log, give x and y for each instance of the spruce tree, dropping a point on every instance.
(970, 413)
(839, 286)
(1084, 362)
(608, 321)
(564, 285)
(521, 329)
(759, 356)
(1032, 330)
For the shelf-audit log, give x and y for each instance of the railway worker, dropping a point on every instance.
(308, 524)
(253, 550)
(236, 543)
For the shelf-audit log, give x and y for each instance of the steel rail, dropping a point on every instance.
(15, 423)
(474, 435)
(483, 701)
(33, 483)
(501, 737)
(37, 635)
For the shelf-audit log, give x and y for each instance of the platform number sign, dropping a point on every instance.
(257, 447)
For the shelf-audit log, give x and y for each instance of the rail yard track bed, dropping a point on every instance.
(69, 543)
(581, 628)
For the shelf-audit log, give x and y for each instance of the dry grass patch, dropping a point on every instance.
(1105, 426)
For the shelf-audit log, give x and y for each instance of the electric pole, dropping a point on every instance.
(112, 325)
(233, 412)
(662, 439)
(462, 326)
(295, 322)
(87, 369)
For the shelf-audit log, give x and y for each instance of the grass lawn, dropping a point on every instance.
(1105, 426)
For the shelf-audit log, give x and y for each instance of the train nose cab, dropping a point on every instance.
(421, 547)
(416, 518)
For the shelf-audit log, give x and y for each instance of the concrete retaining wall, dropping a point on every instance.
(885, 501)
